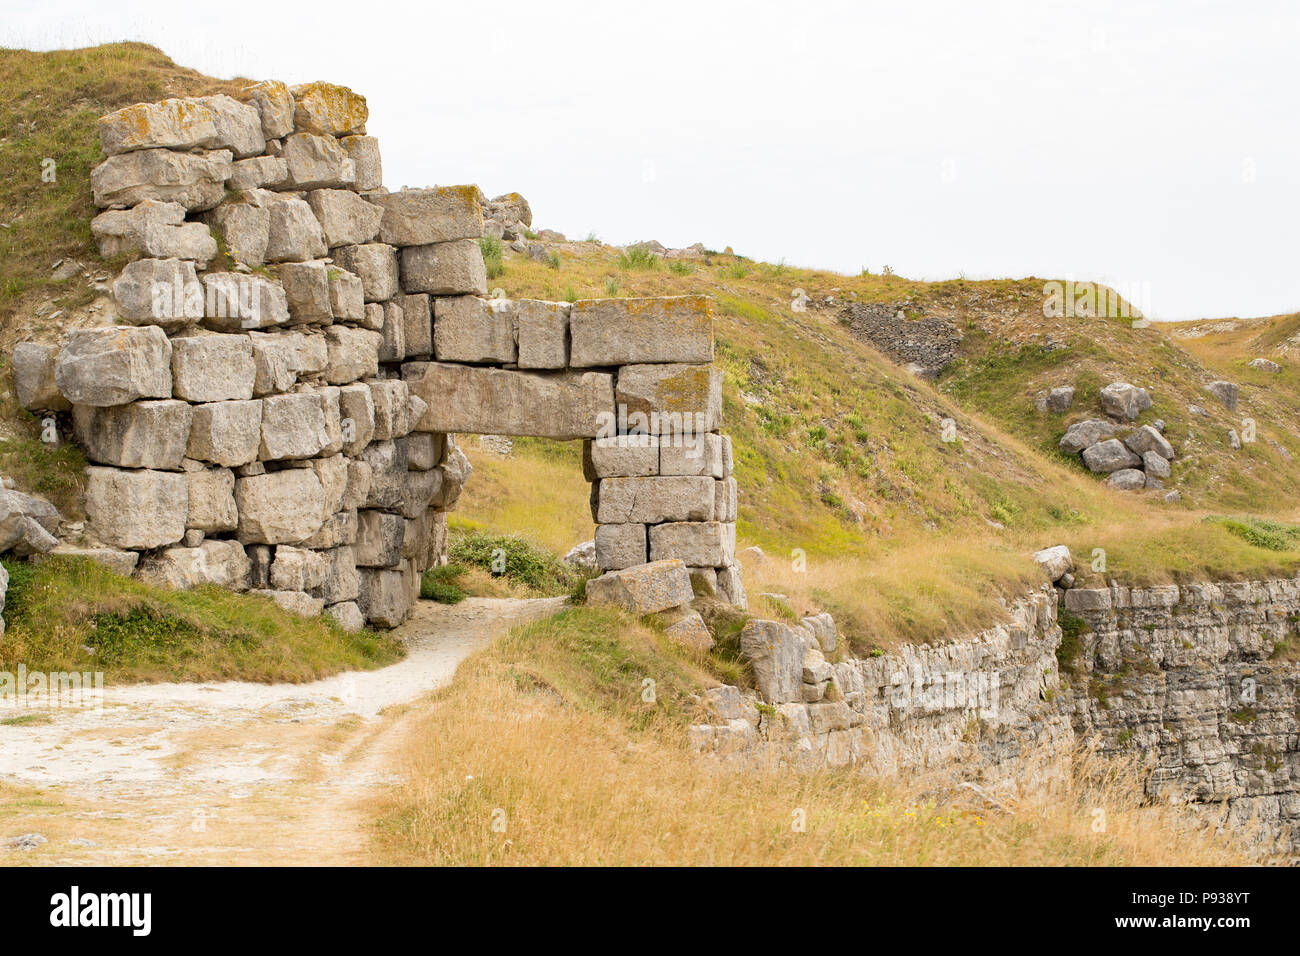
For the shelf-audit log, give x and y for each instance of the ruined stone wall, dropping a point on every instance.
(294, 348)
(1200, 681)
(984, 709)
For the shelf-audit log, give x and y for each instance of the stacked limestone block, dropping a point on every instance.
(246, 418)
(662, 487)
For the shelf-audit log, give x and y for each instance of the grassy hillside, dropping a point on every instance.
(49, 103)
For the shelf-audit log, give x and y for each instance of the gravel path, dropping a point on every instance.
(233, 772)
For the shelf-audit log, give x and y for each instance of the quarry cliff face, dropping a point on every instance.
(1199, 682)
(1203, 678)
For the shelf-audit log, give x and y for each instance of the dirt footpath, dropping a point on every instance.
(232, 773)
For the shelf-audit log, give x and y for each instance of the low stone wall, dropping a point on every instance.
(295, 348)
(983, 709)
(1200, 680)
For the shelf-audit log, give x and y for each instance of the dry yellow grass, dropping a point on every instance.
(537, 756)
(538, 492)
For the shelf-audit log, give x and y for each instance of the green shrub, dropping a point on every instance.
(442, 584)
(491, 249)
(638, 259)
(516, 559)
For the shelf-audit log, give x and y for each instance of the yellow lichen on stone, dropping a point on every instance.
(173, 123)
(329, 109)
(686, 391)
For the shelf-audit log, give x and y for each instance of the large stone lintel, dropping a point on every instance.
(494, 401)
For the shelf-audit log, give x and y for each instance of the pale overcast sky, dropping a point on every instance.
(1155, 146)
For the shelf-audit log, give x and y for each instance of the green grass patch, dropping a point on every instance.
(1261, 532)
(73, 614)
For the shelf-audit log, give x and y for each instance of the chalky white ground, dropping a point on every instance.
(234, 772)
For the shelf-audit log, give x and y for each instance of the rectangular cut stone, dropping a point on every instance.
(149, 434)
(171, 124)
(316, 162)
(621, 456)
(293, 426)
(114, 365)
(670, 399)
(280, 507)
(776, 654)
(393, 348)
(375, 263)
(392, 412)
(380, 538)
(226, 433)
(469, 329)
(364, 153)
(345, 217)
(213, 368)
(212, 500)
(195, 180)
(307, 289)
(620, 546)
(417, 315)
(643, 589)
(697, 543)
(33, 367)
(489, 401)
(329, 109)
(417, 217)
(234, 302)
(543, 333)
(424, 450)
(725, 500)
(347, 296)
(388, 468)
(692, 454)
(632, 331)
(351, 354)
(136, 508)
(357, 417)
(239, 125)
(444, 268)
(385, 599)
(652, 500)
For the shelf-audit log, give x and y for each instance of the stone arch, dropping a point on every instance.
(278, 413)
(634, 379)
